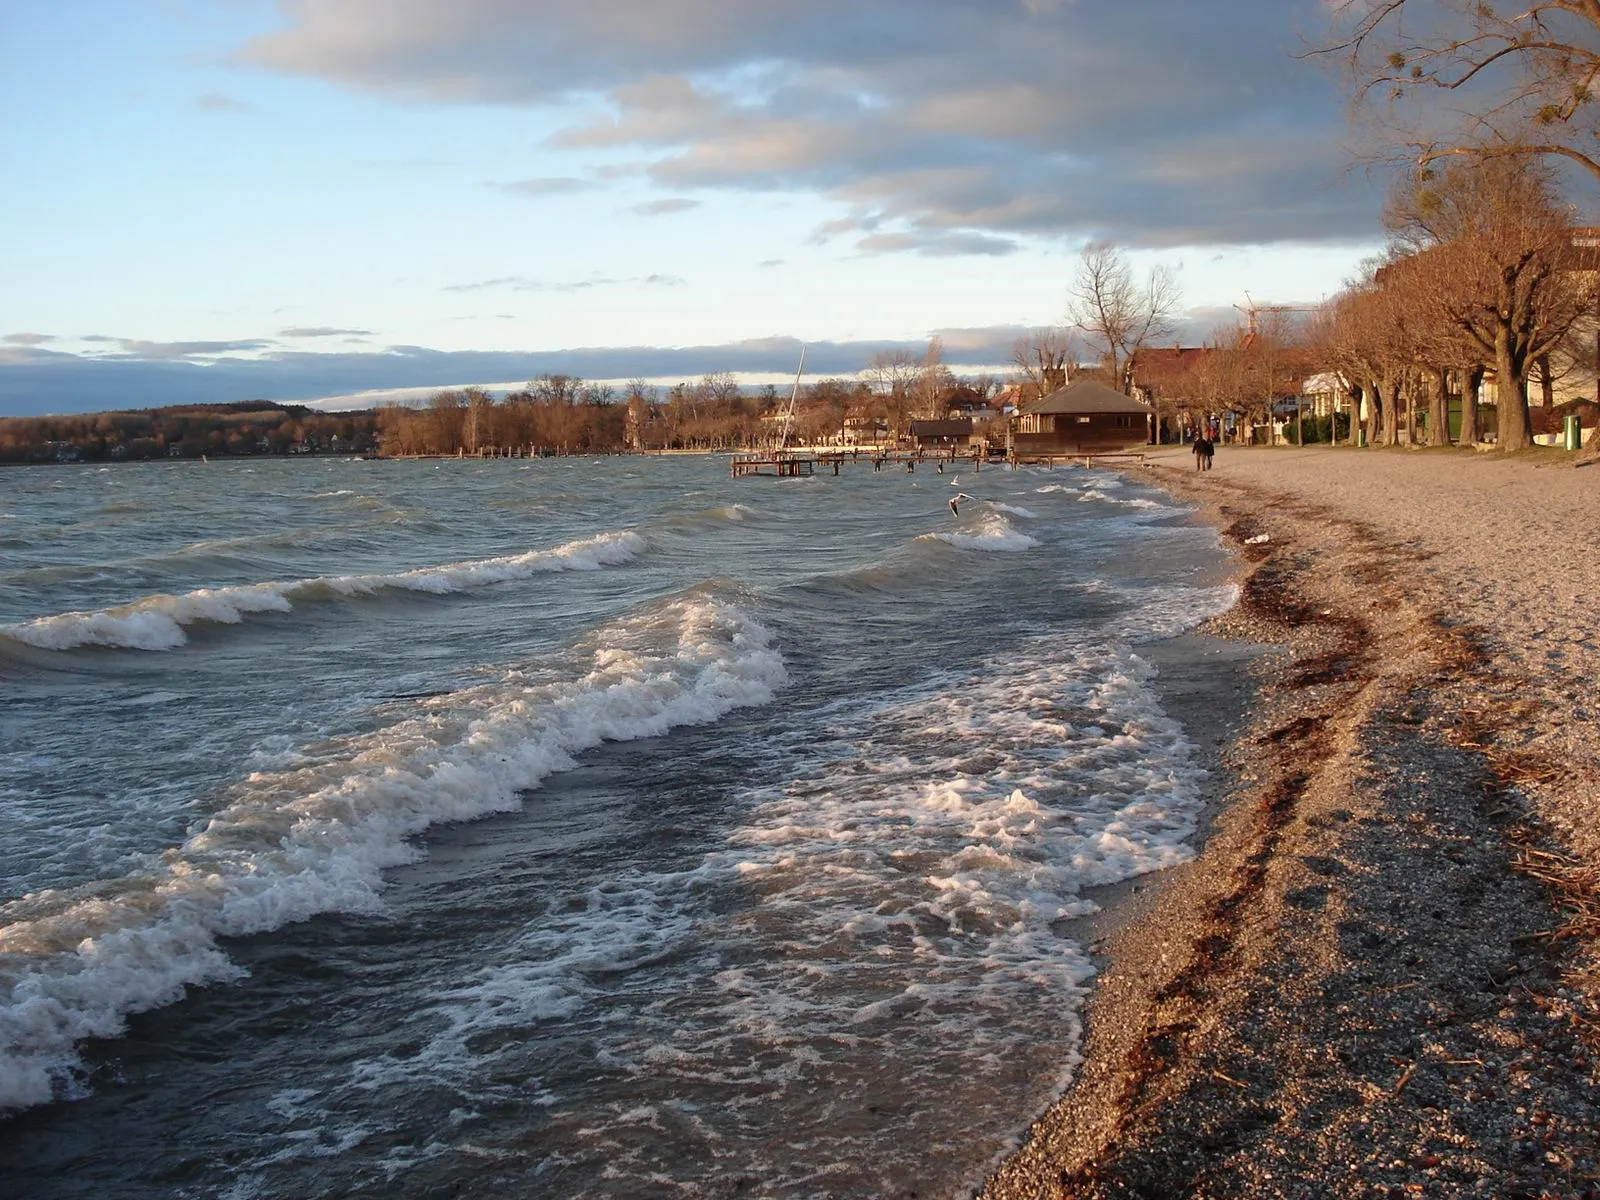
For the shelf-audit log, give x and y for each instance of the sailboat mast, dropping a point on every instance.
(788, 417)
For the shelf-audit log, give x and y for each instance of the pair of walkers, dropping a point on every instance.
(1204, 450)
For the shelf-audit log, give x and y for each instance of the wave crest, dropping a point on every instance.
(158, 622)
(292, 844)
(991, 532)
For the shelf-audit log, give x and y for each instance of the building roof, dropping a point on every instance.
(956, 427)
(1086, 396)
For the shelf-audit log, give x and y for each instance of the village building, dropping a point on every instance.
(1085, 417)
(942, 435)
(864, 429)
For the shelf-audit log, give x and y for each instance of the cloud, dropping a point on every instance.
(219, 102)
(937, 245)
(138, 348)
(661, 208)
(523, 283)
(28, 339)
(320, 331)
(548, 186)
(39, 381)
(1157, 124)
(52, 382)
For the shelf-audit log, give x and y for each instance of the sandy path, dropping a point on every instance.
(1355, 989)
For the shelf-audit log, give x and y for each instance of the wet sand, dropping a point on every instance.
(1379, 975)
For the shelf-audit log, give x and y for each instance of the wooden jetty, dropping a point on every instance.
(777, 464)
(790, 464)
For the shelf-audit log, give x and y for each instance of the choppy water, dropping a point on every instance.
(567, 827)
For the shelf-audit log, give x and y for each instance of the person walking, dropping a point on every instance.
(1202, 449)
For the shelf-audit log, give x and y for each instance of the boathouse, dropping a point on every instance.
(1086, 417)
(941, 435)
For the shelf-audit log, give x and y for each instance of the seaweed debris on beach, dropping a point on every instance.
(1379, 978)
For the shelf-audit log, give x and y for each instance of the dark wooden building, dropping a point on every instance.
(1086, 417)
(941, 435)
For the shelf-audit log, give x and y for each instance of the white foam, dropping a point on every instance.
(1094, 494)
(158, 622)
(906, 880)
(291, 844)
(1013, 509)
(1165, 612)
(990, 532)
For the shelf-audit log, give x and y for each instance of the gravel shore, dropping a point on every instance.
(1381, 975)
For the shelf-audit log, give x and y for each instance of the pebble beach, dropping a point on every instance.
(1381, 974)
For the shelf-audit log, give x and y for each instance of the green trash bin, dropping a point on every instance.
(1361, 436)
(1571, 433)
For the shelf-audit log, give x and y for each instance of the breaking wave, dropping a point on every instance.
(158, 622)
(288, 845)
(990, 532)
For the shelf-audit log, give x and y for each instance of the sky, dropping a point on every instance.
(339, 200)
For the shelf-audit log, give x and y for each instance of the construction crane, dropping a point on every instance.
(1253, 311)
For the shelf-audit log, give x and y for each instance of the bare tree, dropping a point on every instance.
(479, 404)
(934, 381)
(1118, 313)
(893, 374)
(1045, 356)
(1478, 79)
(1495, 261)
(1516, 79)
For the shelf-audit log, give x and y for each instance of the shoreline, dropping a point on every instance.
(1360, 985)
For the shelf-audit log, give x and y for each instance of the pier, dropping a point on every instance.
(797, 463)
(777, 464)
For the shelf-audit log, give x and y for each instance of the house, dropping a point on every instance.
(941, 435)
(1085, 417)
(864, 429)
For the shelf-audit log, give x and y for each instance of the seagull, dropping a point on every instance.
(956, 499)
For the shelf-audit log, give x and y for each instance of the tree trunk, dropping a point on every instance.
(1511, 401)
(1473, 376)
(1411, 414)
(1356, 395)
(1390, 431)
(1375, 403)
(1439, 409)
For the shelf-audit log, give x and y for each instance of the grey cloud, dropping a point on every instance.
(28, 339)
(139, 348)
(220, 102)
(1157, 123)
(554, 185)
(937, 245)
(37, 381)
(28, 354)
(81, 383)
(661, 208)
(523, 283)
(319, 331)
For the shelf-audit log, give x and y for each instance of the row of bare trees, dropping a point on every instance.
(1480, 100)
(1486, 273)
(187, 431)
(564, 414)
